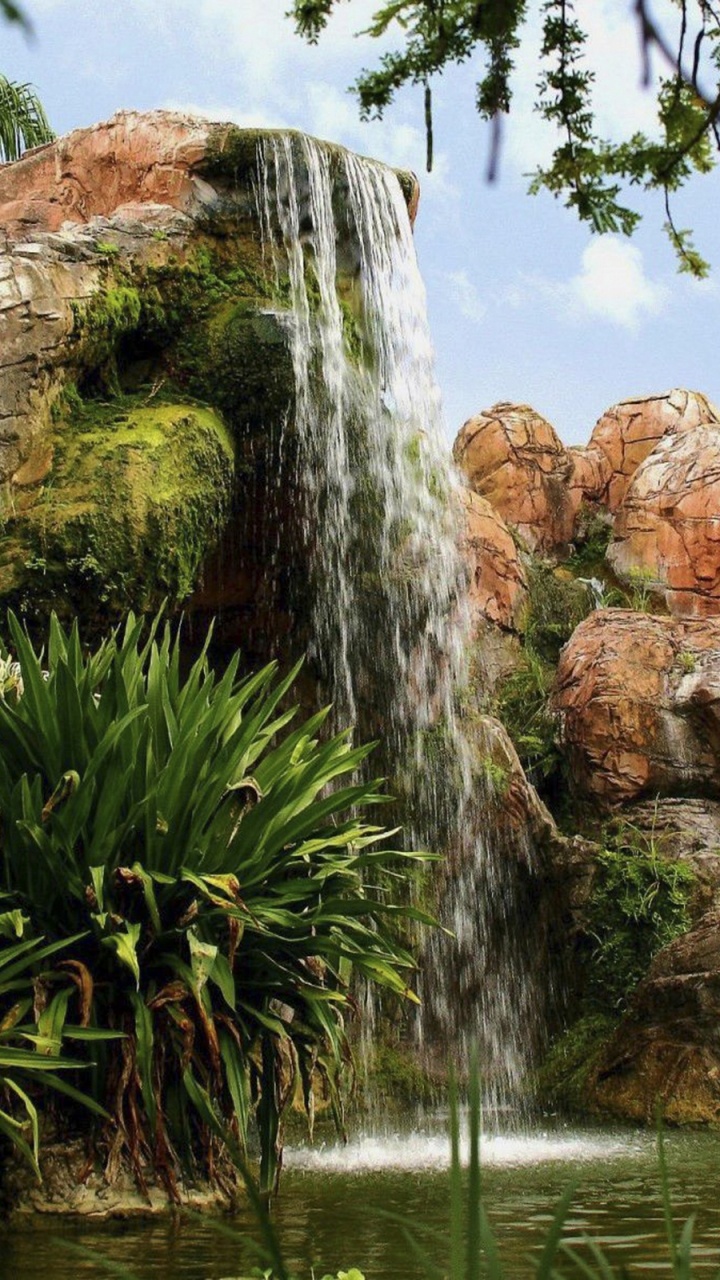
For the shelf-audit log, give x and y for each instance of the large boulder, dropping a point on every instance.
(666, 1050)
(146, 373)
(625, 435)
(667, 530)
(638, 705)
(497, 588)
(512, 457)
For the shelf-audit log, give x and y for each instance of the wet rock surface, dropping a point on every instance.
(666, 1051)
(637, 699)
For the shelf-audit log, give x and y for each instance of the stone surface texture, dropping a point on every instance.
(497, 588)
(667, 1048)
(512, 457)
(638, 705)
(667, 530)
(625, 435)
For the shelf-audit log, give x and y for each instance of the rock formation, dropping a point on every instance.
(145, 374)
(498, 587)
(625, 435)
(511, 456)
(666, 1050)
(667, 529)
(638, 703)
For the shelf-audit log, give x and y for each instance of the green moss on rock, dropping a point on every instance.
(562, 1080)
(136, 497)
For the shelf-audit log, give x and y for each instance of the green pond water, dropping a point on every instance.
(334, 1204)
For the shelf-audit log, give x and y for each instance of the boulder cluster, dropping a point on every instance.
(635, 696)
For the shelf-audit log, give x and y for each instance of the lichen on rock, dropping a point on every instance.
(137, 491)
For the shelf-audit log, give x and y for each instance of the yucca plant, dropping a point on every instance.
(29, 1059)
(211, 858)
(23, 123)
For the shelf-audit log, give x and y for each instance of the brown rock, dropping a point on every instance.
(667, 530)
(497, 588)
(511, 456)
(637, 700)
(625, 435)
(681, 829)
(133, 159)
(667, 1049)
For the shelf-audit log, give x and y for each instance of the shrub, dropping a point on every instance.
(639, 903)
(523, 709)
(557, 604)
(223, 889)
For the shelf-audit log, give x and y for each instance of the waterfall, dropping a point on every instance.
(379, 524)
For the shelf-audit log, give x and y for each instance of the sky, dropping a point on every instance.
(525, 304)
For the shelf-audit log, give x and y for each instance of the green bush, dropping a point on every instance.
(523, 708)
(204, 866)
(639, 903)
(557, 604)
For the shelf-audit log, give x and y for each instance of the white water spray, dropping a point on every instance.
(380, 524)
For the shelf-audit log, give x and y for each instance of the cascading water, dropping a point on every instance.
(380, 518)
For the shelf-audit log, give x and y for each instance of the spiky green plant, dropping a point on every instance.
(211, 858)
(23, 123)
(29, 1058)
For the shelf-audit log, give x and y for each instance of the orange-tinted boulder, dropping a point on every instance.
(497, 588)
(511, 456)
(132, 159)
(666, 1050)
(667, 531)
(625, 435)
(638, 705)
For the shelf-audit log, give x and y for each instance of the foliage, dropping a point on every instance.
(592, 536)
(29, 1057)
(557, 604)
(562, 1077)
(587, 171)
(522, 706)
(643, 586)
(639, 903)
(23, 123)
(224, 896)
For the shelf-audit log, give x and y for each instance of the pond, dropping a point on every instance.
(336, 1205)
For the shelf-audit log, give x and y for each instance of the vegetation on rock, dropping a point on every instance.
(196, 859)
(139, 490)
(23, 123)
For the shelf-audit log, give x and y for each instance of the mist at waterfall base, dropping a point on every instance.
(366, 459)
(335, 1211)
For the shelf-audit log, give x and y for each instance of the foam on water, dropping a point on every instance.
(423, 1151)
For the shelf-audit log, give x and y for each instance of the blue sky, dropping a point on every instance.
(524, 303)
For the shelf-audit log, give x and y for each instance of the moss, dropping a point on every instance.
(137, 495)
(562, 1079)
(101, 322)
(395, 1078)
(240, 355)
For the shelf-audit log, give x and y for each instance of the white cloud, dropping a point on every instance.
(465, 296)
(611, 285)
